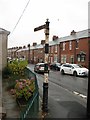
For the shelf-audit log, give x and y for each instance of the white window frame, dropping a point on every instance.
(77, 43)
(64, 45)
(55, 48)
(55, 58)
(51, 49)
(63, 58)
(70, 45)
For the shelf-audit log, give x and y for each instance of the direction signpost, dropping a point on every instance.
(39, 28)
(45, 82)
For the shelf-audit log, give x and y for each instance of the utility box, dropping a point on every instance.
(3, 48)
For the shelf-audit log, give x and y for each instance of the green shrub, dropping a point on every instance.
(6, 72)
(17, 67)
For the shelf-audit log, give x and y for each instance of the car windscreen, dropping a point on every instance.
(77, 66)
(58, 64)
(42, 65)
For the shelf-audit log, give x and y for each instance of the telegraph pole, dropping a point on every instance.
(45, 82)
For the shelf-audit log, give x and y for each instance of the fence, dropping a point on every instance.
(31, 110)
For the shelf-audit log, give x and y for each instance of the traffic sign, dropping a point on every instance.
(40, 27)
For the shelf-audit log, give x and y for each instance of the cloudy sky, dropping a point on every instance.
(64, 16)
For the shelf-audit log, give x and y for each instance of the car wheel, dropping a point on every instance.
(75, 73)
(56, 69)
(62, 72)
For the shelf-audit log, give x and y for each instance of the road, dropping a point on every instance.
(66, 94)
(77, 85)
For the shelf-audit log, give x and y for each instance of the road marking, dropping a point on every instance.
(81, 95)
(76, 93)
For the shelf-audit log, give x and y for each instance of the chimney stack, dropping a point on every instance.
(42, 42)
(54, 37)
(73, 32)
(34, 44)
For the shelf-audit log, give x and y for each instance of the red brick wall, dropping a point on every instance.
(83, 46)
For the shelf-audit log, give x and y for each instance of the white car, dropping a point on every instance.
(74, 69)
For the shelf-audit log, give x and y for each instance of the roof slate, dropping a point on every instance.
(77, 35)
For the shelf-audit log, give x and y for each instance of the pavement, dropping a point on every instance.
(8, 106)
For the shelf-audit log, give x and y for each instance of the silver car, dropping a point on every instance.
(40, 68)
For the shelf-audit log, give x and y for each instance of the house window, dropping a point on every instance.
(55, 48)
(81, 57)
(72, 59)
(78, 58)
(77, 43)
(55, 58)
(70, 45)
(51, 49)
(64, 45)
(63, 58)
(51, 59)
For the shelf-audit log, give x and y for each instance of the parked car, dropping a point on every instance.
(74, 69)
(40, 68)
(55, 66)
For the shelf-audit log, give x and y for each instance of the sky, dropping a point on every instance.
(64, 16)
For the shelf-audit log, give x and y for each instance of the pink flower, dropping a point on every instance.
(13, 91)
(16, 80)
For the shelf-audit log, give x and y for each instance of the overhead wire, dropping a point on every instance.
(20, 16)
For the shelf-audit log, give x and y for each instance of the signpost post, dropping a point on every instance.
(28, 53)
(45, 82)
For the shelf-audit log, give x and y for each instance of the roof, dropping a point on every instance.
(22, 49)
(55, 42)
(3, 31)
(39, 46)
(78, 35)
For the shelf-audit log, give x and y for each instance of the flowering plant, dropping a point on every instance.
(17, 67)
(24, 88)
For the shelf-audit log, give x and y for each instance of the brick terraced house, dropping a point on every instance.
(68, 49)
